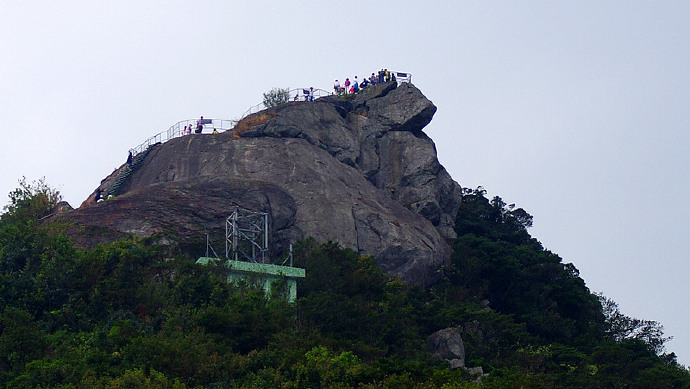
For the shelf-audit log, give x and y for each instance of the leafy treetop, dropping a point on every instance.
(33, 200)
(276, 96)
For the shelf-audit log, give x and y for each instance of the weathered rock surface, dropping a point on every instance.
(186, 208)
(359, 172)
(380, 134)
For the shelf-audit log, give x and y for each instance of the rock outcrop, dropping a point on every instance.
(380, 134)
(357, 171)
(447, 344)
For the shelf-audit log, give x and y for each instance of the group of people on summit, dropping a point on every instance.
(354, 86)
(348, 87)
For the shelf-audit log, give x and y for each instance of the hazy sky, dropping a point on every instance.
(578, 112)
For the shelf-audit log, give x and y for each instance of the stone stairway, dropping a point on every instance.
(128, 170)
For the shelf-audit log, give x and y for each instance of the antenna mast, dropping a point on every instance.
(246, 235)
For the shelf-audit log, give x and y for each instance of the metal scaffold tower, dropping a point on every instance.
(246, 244)
(246, 236)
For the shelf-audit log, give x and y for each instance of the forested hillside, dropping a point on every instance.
(133, 314)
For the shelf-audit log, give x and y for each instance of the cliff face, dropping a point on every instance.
(359, 172)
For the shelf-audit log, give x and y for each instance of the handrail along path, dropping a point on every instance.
(221, 125)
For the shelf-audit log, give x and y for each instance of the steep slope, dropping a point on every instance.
(359, 172)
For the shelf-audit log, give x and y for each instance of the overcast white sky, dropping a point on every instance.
(578, 112)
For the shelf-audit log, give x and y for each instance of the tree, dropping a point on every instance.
(33, 200)
(619, 327)
(276, 96)
(493, 218)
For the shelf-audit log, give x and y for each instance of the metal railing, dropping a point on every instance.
(177, 129)
(403, 77)
(220, 125)
(297, 94)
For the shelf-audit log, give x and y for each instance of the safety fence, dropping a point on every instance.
(403, 77)
(298, 94)
(178, 129)
(220, 125)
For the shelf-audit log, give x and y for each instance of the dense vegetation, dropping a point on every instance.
(134, 315)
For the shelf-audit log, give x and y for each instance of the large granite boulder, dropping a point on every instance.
(359, 171)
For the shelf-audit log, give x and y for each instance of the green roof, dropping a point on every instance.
(259, 268)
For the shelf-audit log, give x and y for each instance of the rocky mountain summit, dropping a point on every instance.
(359, 171)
